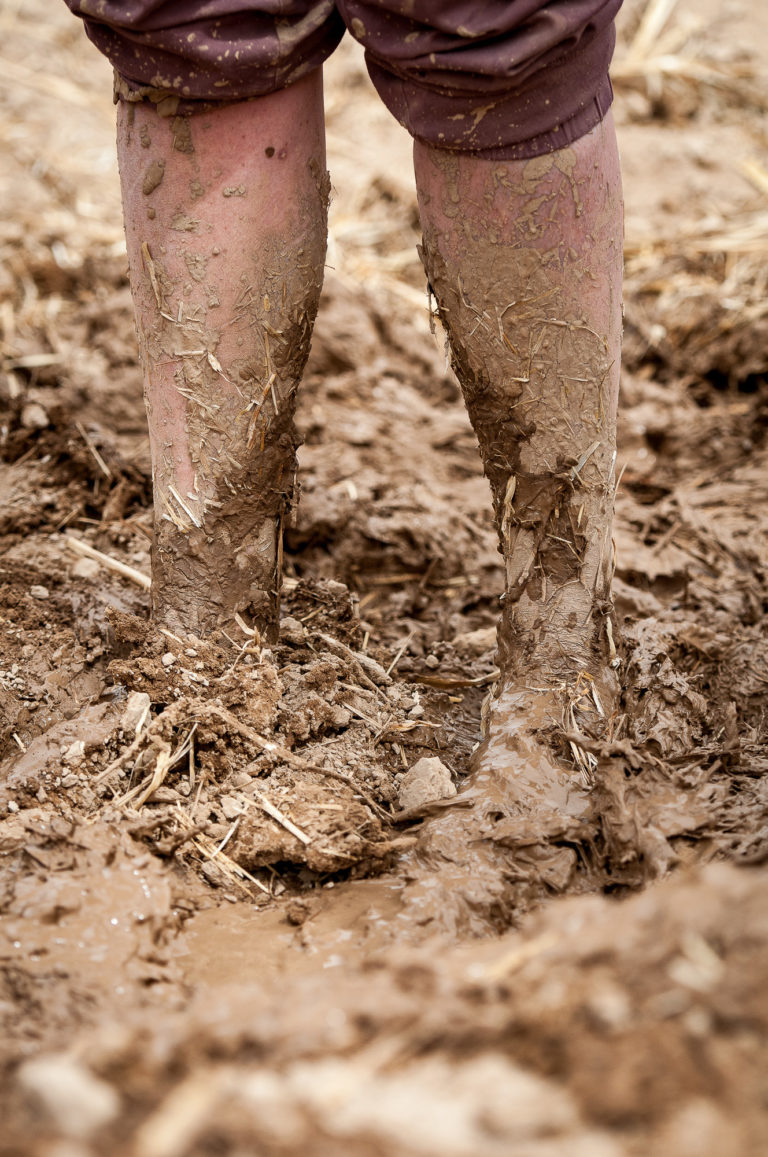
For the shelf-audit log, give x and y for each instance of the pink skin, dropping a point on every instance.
(230, 152)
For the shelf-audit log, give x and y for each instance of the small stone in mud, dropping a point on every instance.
(428, 780)
(297, 911)
(340, 717)
(39, 592)
(71, 1097)
(168, 659)
(231, 807)
(164, 794)
(34, 416)
(135, 712)
(74, 752)
(292, 631)
(86, 568)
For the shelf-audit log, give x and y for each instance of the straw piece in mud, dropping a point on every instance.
(211, 852)
(129, 572)
(91, 446)
(275, 814)
(756, 173)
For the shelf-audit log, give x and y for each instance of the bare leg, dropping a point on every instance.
(225, 217)
(524, 258)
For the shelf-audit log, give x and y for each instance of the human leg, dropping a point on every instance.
(520, 201)
(225, 217)
(222, 164)
(525, 260)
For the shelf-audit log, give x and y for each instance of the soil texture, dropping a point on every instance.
(225, 927)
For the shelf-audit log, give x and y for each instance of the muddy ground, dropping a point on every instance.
(206, 940)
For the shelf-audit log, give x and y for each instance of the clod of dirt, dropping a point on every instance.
(428, 780)
(292, 631)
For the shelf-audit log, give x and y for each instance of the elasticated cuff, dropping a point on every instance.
(552, 108)
(186, 63)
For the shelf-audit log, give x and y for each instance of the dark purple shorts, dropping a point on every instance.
(507, 79)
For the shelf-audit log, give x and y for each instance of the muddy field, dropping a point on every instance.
(214, 938)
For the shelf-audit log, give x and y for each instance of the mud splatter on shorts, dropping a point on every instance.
(507, 79)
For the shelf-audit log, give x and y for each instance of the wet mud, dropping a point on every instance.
(255, 895)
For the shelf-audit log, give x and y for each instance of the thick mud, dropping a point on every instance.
(233, 918)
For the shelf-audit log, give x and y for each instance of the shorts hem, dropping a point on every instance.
(560, 137)
(169, 103)
(558, 102)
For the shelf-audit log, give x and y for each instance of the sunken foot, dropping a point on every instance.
(523, 823)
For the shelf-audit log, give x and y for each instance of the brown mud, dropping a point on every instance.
(223, 864)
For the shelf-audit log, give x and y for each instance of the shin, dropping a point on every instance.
(225, 217)
(524, 258)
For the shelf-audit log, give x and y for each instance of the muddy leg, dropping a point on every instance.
(225, 219)
(524, 258)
